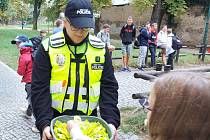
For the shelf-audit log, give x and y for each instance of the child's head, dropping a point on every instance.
(59, 23)
(43, 33)
(180, 104)
(106, 27)
(20, 39)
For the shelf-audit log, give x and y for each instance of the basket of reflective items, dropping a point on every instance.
(80, 127)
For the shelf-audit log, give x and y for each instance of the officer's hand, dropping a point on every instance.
(46, 135)
(115, 131)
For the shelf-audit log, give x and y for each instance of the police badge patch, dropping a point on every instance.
(97, 66)
(60, 59)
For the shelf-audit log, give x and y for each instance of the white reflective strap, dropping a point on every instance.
(95, 90)
(70, 90)
(56, 104)
(91, 93)
(83, 91)
(82, 106)
(93, 106)
(68, 105)
(56, 88)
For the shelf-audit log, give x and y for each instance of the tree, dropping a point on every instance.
(36, 12)
(3, 8)
(53, 10)
(3, 5)
(16, 9)
(97, 6)
(160, 7)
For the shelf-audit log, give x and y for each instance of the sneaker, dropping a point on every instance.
(141, 68)
(24, 111)
(29, 111)
(34, 129)
(128, 70)
(123, 69)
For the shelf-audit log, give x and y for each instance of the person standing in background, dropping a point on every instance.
(105, 37)
(143, 38)
(153, 43)
(36, 41)
(162, 42)
(127, 35)
(59, 26)
(170, 52)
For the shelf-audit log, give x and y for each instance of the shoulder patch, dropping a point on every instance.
(96, 42)
(57, 40)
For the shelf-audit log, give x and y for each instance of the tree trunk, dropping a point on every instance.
(157, 13)
(97, 25)
(36, 12)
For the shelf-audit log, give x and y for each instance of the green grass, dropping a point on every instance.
(9, 53)
(132, 120)
(42, 26)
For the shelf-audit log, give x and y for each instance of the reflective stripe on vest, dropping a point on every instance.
(64, 78)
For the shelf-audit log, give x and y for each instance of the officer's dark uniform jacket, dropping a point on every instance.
(83, 65)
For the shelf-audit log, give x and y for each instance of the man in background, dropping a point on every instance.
(127, 35)
(105, 37)
(36, 41)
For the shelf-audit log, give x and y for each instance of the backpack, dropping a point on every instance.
(36, 41)
(176, 43)
(137, 42)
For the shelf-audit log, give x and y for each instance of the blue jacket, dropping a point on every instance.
(143, 37)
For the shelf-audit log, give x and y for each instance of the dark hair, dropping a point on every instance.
(43, 31)
(58, 22)
(154, 24)
(147, 23)
(106, 26)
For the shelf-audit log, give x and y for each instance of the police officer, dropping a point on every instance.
(73, 73)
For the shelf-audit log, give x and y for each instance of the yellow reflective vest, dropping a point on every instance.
(75, 82)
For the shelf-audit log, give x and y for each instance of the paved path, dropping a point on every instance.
(13, 126)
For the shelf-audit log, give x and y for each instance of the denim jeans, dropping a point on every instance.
(152, 49)
(28, 91)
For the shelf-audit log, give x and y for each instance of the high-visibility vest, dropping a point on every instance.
(75, 82)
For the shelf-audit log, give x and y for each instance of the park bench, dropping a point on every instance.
(202, 51)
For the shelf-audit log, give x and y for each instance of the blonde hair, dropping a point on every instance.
(181, 110)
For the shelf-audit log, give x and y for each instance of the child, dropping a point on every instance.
(178, 107)
(169, 50)
(25, 67)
